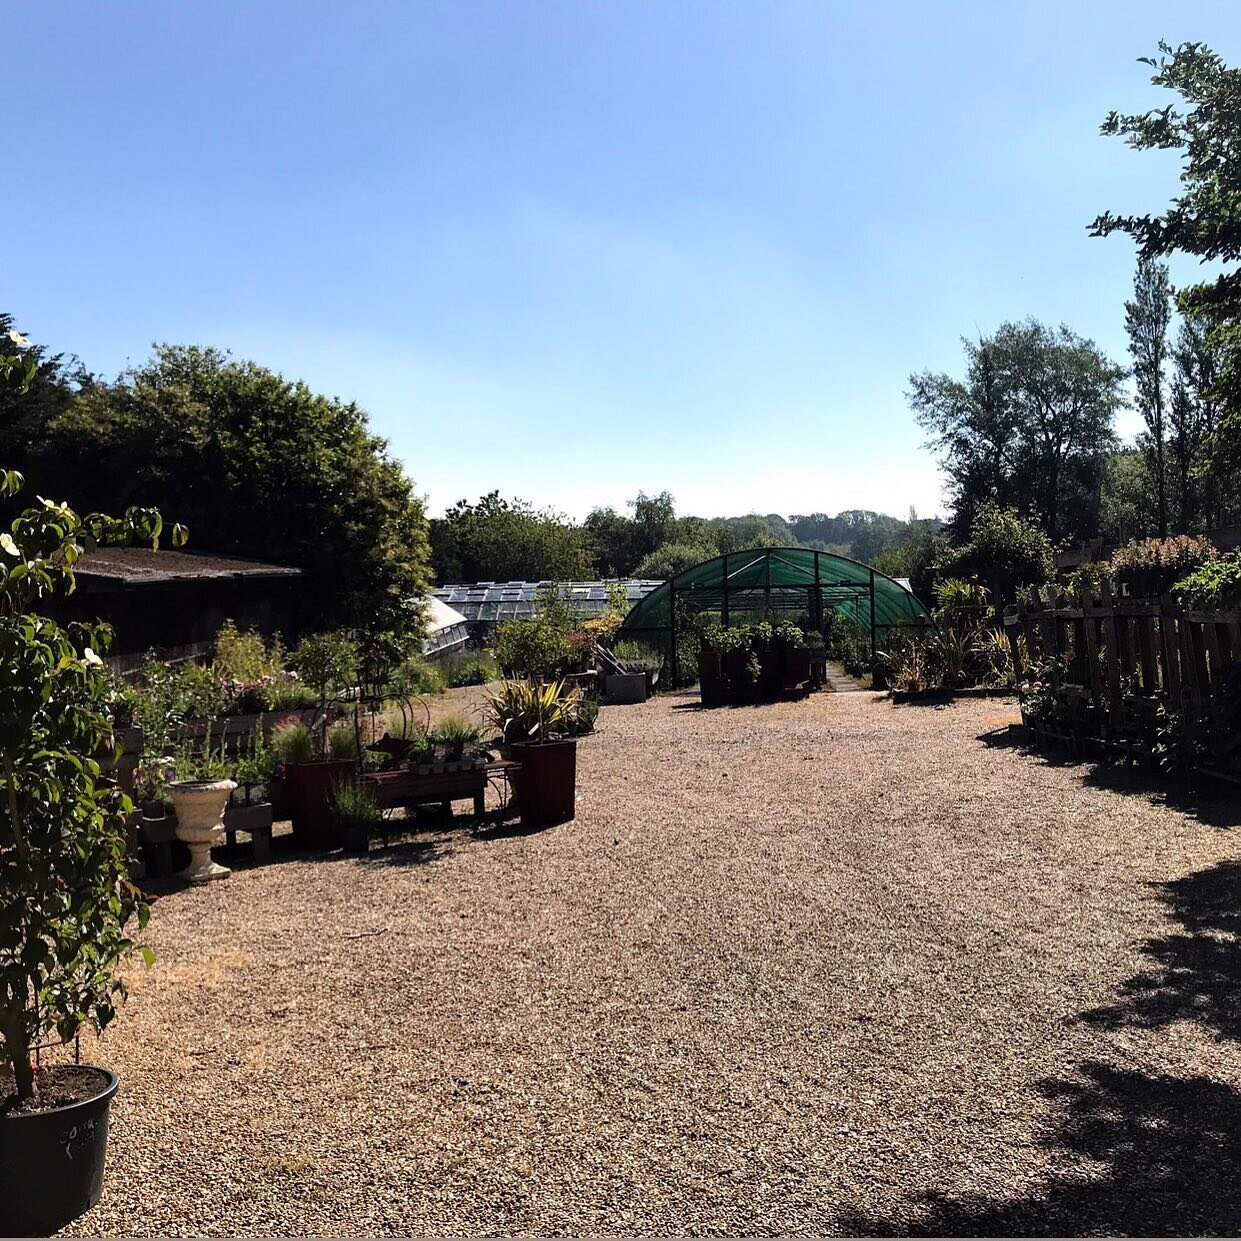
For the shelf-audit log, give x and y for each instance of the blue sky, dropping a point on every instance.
(574, 250)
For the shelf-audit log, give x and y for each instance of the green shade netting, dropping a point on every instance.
(780, 578)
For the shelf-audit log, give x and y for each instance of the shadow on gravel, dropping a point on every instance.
(1195, 974)
(1205, 801)
(1158, 1156)
(1145, 1154)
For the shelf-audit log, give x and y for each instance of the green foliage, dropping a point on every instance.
(1004, 551)
(638, 657)
(293, 742)
(1030, 423)
(587, 714)
(1214, 585)
(455, 734)
(1089, 578)
(1042, 691)
(355, 810)
(418, 677)
(65, 896)
(1127, 502)
(342, 740)
(502, 540)
(259, 466)
(955, 594)
(847, 643)
(540, 645)
(1201, 222)
(1148, 567)
(670, 559)
(468, 668)
(1147, 319)
(526, 711)
(327, 662)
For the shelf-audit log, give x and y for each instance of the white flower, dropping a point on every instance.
(17, 338)
(91, 659)
(7, 545)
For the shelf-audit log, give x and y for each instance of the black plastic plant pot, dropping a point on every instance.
(51, 1163)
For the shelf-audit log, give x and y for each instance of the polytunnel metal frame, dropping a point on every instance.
(807, 581)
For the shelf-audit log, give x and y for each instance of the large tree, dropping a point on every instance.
(54, 383)
(502, 540)
(256, 466)
(1205, 221)
(1147, 318)
(1029, 426)
(1193, 417)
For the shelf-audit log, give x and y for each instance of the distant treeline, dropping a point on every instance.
(509, 540)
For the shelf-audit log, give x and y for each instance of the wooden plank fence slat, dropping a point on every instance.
(1109, 645)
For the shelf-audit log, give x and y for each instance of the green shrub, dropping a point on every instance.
(1212, 586)
(535, 647)
(847, 642)
(638, 657)
(1005, 552)
(327, 662)
(955, 594)
(342, 740)
(1148, 567)
(587, 714)
(293, 742)
(468, 668)
(454, 733)
(1089, 578)
(66, 899)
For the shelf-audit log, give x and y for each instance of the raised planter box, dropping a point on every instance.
(623, 688)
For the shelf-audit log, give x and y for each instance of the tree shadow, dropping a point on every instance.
(1144, 1154)
(1134, 1152)
(1195, 974)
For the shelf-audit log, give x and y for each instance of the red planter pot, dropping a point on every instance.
(547, 781)
(310, 788)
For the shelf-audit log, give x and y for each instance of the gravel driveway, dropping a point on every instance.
(823, 966)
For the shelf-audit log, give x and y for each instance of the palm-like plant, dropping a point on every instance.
(529, 711)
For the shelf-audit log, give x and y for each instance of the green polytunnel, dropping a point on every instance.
(795, 583)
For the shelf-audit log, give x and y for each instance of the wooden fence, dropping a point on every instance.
(1149, 647)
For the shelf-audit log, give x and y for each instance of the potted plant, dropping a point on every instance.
(66, 901)
(356, 812)
(453, 734)
(535, 721)
(328, 663)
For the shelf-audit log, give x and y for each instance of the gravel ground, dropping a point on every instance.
(823, 966)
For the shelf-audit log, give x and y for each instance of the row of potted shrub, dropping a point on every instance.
(754, 663)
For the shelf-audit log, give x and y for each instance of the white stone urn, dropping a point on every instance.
(200, 824)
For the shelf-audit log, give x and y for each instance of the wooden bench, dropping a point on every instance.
(404, 788)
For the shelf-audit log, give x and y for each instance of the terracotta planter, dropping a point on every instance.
(200, 824)
(310, 788)
(547, 781)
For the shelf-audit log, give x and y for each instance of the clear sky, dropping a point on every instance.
(574, 250)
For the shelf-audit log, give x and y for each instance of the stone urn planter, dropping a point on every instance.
(200, 824)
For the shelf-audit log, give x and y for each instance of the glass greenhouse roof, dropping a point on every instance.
(501, 601)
